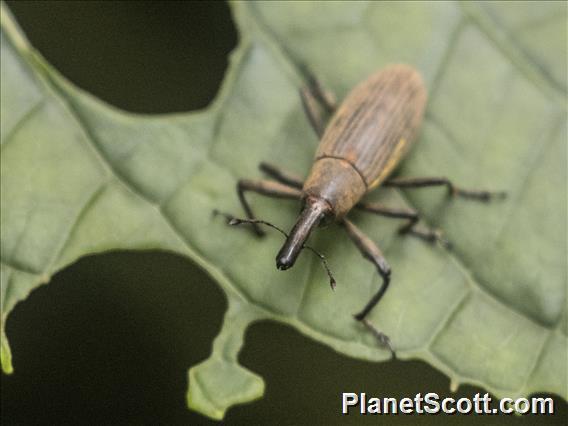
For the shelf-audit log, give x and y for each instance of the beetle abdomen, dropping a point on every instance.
(376, 124)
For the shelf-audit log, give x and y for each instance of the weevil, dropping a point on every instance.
(363, 142)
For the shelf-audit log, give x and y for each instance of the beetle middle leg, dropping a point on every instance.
(410, 228)
(264, 187)
(454, 191)
(372, 253)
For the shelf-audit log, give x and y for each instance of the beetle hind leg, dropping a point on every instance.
(321, 94)
(315, 116)
(315, 98)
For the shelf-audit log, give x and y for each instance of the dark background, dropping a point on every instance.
(111, 338)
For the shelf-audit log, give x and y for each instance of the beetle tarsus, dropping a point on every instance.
(381, 337)
(453, 190)
(484, 196)
(426, 234)
(228, 217)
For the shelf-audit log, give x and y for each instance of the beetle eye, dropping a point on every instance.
(325, 220)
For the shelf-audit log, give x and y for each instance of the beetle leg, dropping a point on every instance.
(315, 117)
(314, 95)
(281, 176)
(324, 96)
(380, 209)
(453, 190)
(264, 187)
(372, 253)
(411, 228)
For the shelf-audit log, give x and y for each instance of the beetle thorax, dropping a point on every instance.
(336, 181)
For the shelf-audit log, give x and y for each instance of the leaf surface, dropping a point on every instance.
(80, 177)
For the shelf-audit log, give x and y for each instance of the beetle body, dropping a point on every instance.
(364, 141)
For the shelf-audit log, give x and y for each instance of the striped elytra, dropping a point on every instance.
(368, 135)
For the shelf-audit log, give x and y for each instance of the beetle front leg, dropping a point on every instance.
(453, 190)
(281, 176)
(411, 228)
(372, 253)
(264, 187)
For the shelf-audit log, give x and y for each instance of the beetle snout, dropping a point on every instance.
(284, 262)
(314, 211)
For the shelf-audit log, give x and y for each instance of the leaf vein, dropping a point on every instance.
(517, 55)
(27, 116)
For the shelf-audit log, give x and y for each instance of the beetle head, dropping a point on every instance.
(315, 210)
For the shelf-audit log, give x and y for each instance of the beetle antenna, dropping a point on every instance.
(332, 281)
(234, 221)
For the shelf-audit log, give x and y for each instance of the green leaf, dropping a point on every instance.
(80, 177)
